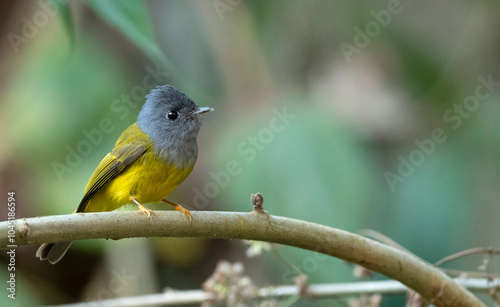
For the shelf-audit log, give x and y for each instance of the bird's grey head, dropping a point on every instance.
(171, 120)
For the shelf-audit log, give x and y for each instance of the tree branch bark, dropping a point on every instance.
(427, 280)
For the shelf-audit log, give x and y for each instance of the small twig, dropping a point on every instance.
(317, 291)
(257, 201)
(467, 252)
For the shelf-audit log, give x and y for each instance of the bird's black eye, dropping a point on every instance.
(172, 115)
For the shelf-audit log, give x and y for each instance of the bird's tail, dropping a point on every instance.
(53, 252)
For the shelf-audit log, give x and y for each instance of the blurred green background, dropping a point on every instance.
(322, 104)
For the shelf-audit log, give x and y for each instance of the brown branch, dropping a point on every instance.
(428, 281)
(467, 252)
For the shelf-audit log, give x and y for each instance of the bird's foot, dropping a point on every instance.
(179, 208)
(149, 212)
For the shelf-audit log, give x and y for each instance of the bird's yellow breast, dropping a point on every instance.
(149, 179)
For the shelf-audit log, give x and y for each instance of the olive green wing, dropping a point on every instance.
(110, 167)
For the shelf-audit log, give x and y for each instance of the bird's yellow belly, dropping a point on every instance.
(147, 180)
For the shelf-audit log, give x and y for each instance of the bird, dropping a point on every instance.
(149, 160)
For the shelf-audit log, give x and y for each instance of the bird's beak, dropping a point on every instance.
(198, 111)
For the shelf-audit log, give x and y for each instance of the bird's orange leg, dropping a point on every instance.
(143, 209)
(179, 208)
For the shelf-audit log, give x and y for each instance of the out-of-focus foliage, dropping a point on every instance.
(313, 127)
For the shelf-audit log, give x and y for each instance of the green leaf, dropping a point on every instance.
(132, 20)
